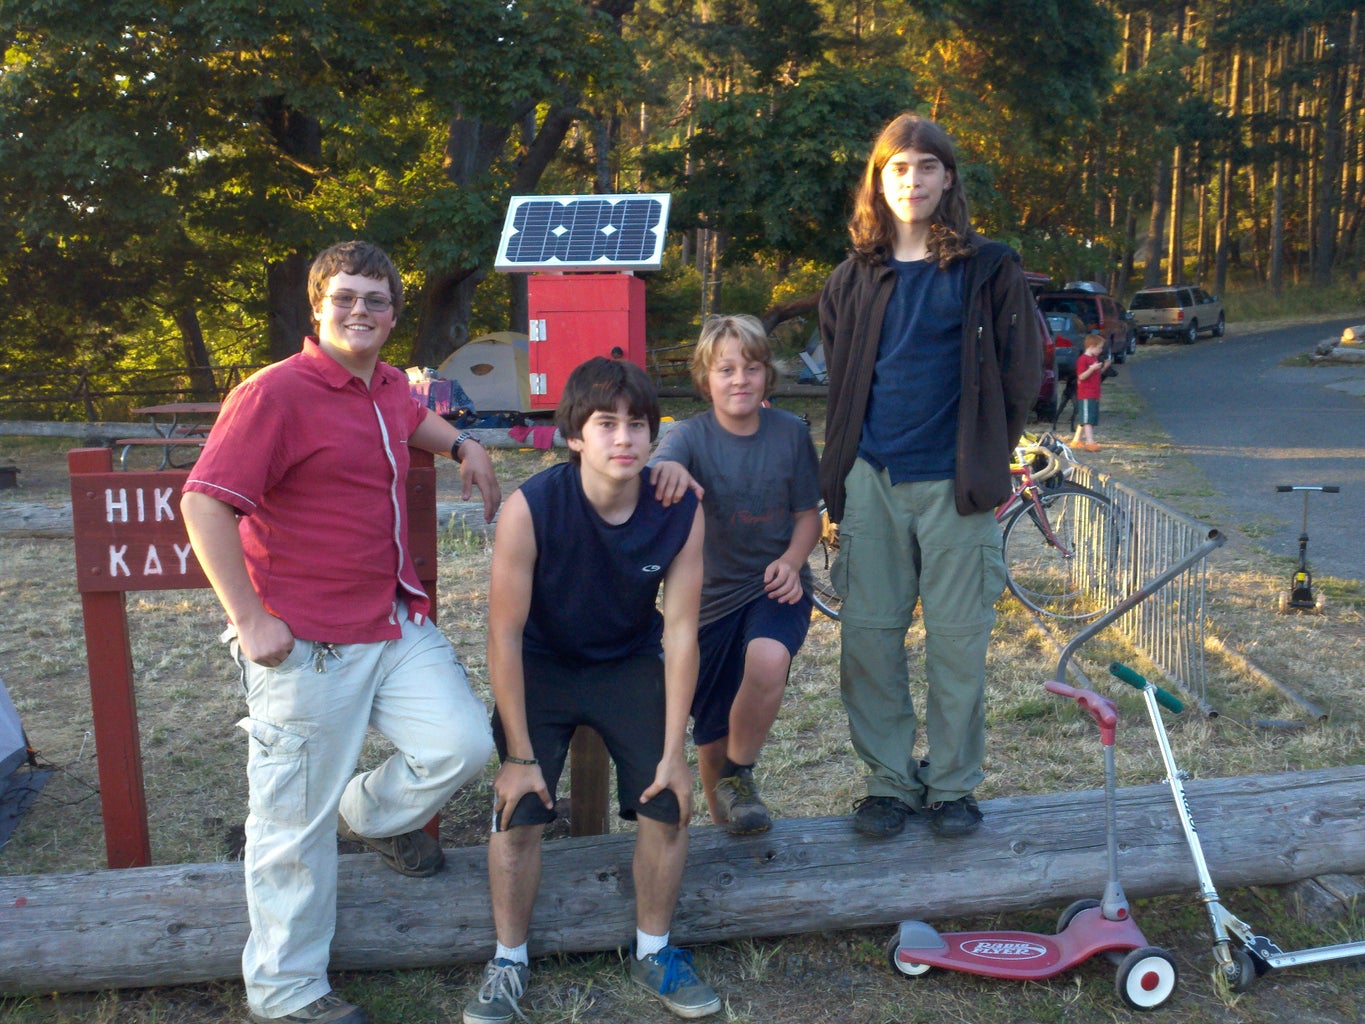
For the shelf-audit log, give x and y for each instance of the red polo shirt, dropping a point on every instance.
(317, 465)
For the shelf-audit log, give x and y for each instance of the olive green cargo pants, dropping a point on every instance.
(898, 545)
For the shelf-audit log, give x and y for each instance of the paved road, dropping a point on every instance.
(1250, 423)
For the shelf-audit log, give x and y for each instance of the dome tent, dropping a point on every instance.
(20, 777)
(494, 371)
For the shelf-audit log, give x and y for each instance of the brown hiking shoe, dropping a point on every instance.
(738, 799)
(414, 853)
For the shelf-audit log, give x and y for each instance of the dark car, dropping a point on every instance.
(1068, 335)
(1100, 313)
(1049, 392)
(1048, 396)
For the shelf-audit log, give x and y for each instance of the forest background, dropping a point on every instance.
(169, 167)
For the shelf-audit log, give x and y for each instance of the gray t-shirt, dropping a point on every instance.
(754, 486)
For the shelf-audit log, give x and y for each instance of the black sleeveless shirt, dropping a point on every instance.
(595, 585)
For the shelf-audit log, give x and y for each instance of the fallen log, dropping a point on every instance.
(186, 923)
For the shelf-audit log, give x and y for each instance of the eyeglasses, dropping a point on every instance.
(374, 303)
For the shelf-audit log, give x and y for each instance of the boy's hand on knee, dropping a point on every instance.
(782, 582)
(673, 773)
(513, 782)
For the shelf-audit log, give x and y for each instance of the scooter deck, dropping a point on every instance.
(1026, 956)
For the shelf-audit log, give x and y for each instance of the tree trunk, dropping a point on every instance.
(1125, 271)
(186, 923)
(1175, 263)
(1156, 229)
(1353, 155)
(715, 249)
(443, 327)
(1277, 187)
(471, 147)
(291, 318)
(1225, 177)
(603, 135)
(1329, 177)
(203, 385)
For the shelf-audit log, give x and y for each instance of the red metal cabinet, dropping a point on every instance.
(576, 316)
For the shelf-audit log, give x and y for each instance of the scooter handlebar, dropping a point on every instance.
(1138, 682)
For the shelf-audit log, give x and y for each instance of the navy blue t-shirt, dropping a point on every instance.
(911, 423)
(595, 584)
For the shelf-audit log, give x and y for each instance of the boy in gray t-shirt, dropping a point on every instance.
(758, 469)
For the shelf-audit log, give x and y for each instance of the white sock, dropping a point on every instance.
(647, 945)
(517, 954)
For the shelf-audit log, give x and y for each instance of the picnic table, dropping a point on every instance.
(174, 425)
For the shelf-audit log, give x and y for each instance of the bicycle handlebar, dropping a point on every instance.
(1326, 488)
(1052, 465)
(1138, 682)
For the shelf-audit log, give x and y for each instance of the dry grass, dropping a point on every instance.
(189, 702)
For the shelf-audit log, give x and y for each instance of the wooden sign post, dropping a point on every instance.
(130, 536)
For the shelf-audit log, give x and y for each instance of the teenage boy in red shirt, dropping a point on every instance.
(297, 512)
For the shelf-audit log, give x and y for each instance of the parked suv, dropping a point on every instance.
(1045, 408)
(1177, 311)
(1100, 313)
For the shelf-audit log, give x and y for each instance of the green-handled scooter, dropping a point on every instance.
(1242, 955)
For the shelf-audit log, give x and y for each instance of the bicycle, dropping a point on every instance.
(1059, 538)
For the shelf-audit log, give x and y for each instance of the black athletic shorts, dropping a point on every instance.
(623, 700)
(724, 644)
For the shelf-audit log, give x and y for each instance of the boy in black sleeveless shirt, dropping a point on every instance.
(575, 637)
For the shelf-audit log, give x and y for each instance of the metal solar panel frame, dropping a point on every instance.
(645, 243)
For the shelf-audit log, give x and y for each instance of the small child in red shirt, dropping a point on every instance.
(1090, 369)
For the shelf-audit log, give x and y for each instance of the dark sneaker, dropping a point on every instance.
(738, 800)
(881, 816)
(504, 982)
(669, 975)
(953, 818)
(330, 1009)
(414, 853)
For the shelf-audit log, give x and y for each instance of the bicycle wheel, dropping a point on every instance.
(824, 595)
(1065, 575)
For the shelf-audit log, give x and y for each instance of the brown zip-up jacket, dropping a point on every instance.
(1001, 370)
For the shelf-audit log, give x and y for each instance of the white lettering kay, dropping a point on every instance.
(151, 562)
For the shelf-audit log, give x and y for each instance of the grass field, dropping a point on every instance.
(194, 756)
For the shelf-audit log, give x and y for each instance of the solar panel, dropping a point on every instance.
(616, 232)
